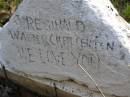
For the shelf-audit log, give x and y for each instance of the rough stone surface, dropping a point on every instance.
(48, 39)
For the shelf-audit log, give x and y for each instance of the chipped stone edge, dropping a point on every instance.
(46, 86)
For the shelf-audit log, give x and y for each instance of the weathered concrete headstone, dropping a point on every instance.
(48, 40)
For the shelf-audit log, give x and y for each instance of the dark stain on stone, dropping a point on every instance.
(116, 14)
(122, 54)
(96, 36)
(112, 9)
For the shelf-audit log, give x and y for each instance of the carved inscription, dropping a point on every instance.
(47, 56)
(51, 24)
(55, 41)
(62, 41)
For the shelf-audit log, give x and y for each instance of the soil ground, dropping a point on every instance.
(10, 89)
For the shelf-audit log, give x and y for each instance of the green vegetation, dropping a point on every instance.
(123, 7)
(127, 12)
(7, 8)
